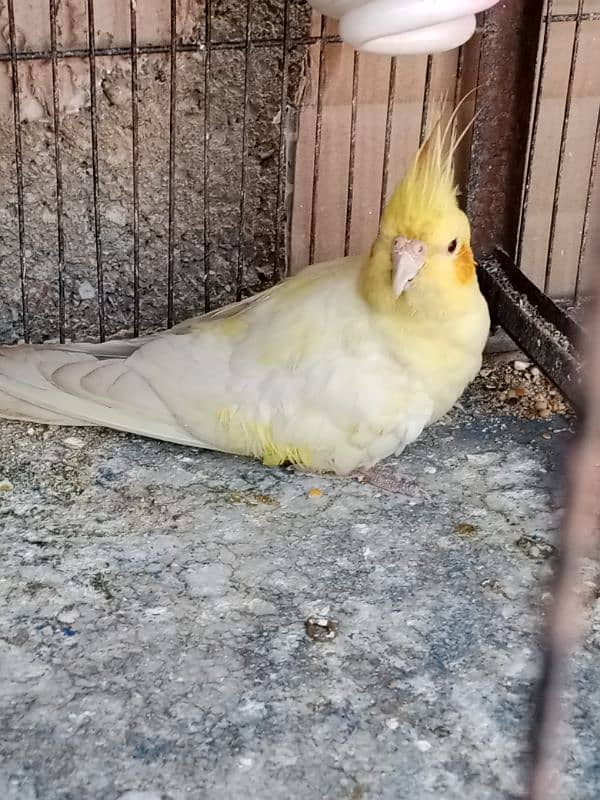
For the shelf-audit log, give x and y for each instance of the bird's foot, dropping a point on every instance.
(392, 482)
(381, 477)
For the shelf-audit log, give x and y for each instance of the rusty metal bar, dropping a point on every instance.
(391, 99)
(172, 154)
(460, 64)
(241, 238)
(158, 49)
(533, 136)
(501, 131)
(588, 204)
(578, 541)
(18, 165)
(352, 156)
(134, 166)
(318, 131)
(534, 321)
(563, 145)
(280, 222)
(206, 153)
(426, 99)
(590, 16)
(60, 234)
(95, 171)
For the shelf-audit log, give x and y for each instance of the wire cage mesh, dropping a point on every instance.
(137, 132)
(563, 153)
(169, 158)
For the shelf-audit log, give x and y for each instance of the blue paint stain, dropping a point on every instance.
(68, 631)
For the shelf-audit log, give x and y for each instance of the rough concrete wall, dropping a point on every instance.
(115, 171)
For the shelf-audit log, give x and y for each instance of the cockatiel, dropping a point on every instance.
(332, 370)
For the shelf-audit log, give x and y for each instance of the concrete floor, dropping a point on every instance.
(153, 606)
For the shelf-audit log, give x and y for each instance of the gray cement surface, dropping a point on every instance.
(154, 599)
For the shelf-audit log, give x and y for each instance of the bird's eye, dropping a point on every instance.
(452, 246)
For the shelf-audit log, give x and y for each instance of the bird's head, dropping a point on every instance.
(422, 254)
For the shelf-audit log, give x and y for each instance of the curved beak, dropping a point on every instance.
(408, 258)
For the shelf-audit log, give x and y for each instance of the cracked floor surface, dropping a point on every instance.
(154, 598)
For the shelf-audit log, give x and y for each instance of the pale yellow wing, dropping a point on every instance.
(299, 373)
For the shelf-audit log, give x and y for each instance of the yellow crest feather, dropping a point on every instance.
(428, 191)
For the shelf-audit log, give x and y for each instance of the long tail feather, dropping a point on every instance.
(72, 386)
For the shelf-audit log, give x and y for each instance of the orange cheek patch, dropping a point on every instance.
(464, 264)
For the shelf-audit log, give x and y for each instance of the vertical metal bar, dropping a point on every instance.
(18, 164)
(281, 162)
(464, 153)
(318, 132)
(58, 171)
(460, 63)
(135, 160)
(94, 131)
(241, 238)
(426, 99)
(352, 157)
(391, 99)
(533, 136)
(206, 152)
(563, 145)
(588, 203)
(172, 150)
(469, 160)
(501, 131)
(578, 541)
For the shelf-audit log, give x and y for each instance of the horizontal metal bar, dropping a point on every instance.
(187, 47)
(234, 44)
(590, 16)
(541, 329)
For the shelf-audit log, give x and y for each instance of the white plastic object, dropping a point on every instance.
(402, 27)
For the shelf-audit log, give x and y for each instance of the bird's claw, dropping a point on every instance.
(393, 482)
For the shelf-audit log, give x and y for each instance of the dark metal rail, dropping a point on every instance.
(541, 329)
